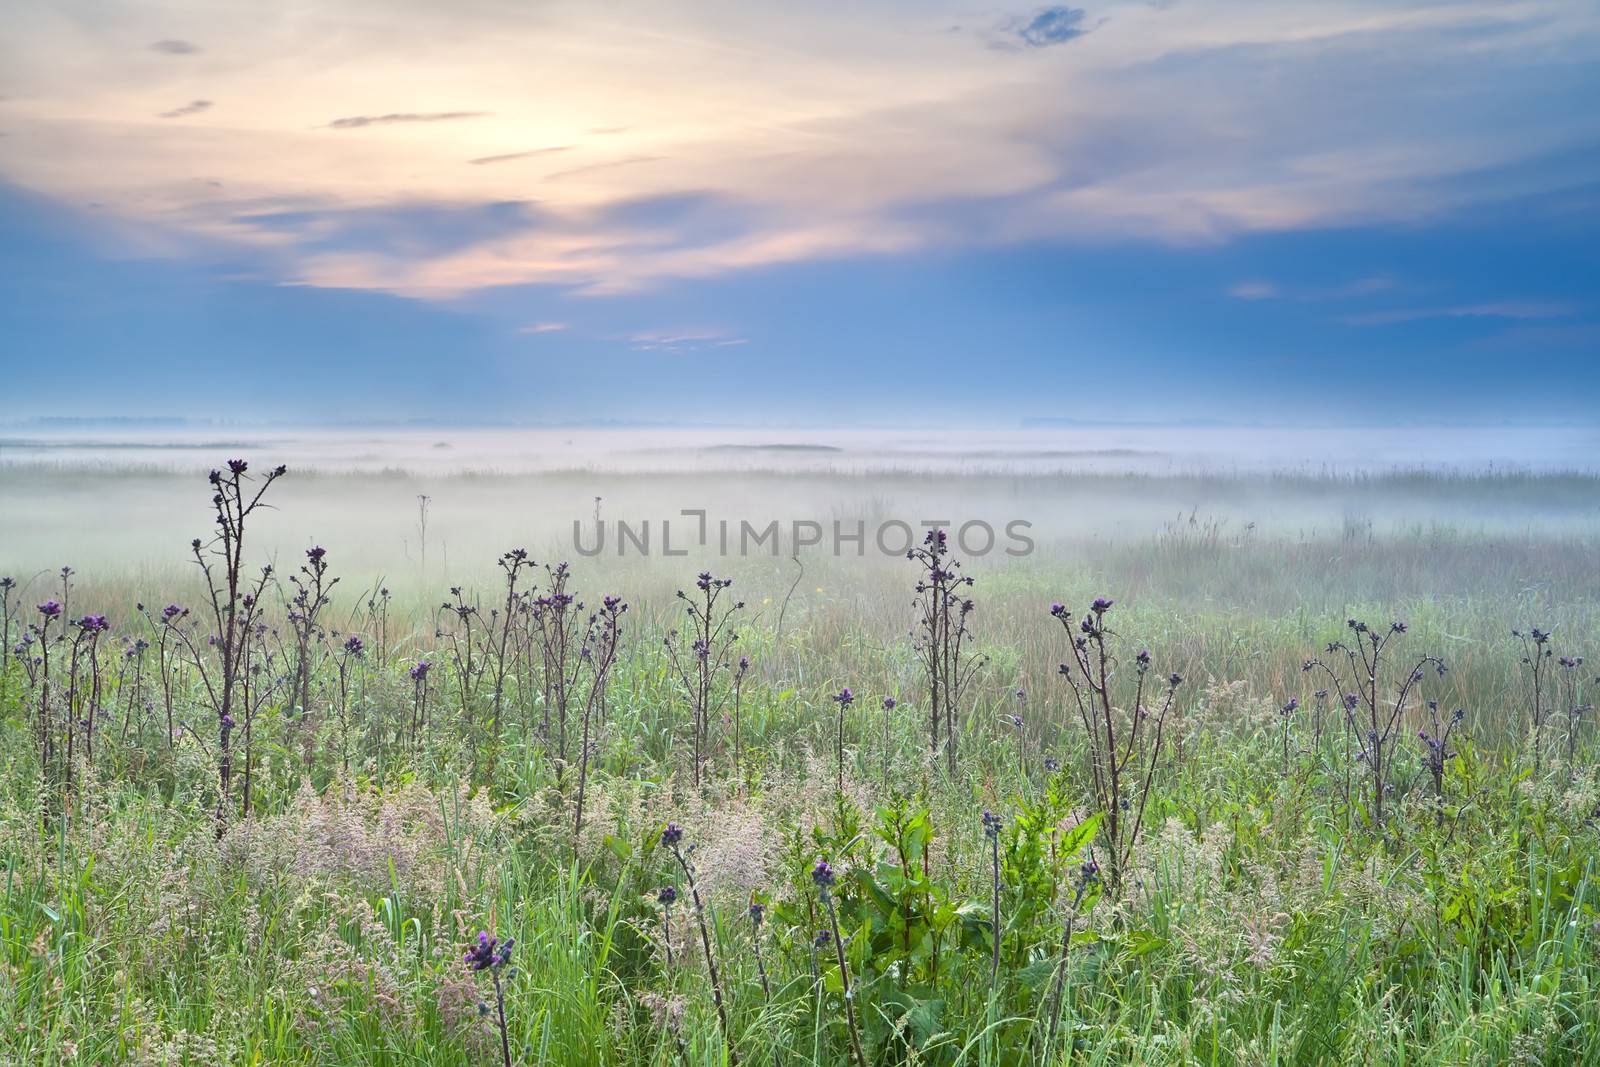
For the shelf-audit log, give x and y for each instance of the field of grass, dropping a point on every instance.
(262, 832)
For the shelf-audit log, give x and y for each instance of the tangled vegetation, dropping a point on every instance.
(285, 823)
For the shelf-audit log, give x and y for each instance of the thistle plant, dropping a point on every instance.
(1437, 751)
(503, 627)
(672, 837)
(349, 659)
(942, 610)
(991, 830)
(1373, 702)
(492, 955)
(1085, 887)
(711, 633)
(419, 698)
(8, 588)
(1577, 708)
(843, 698)
(757, 913)
(738, 700)
(1536, 656)
(312, 587)
(667, 896)
(824, 877)
(557, 617)
(234, 605)
(600, 650)
(465, 655)
(1123, 749)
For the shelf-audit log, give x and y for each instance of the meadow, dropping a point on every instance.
(1233, 767)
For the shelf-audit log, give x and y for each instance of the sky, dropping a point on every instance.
(829, 213)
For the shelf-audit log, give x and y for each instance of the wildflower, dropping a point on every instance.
(889, 703)
(488, 952)
(823, 874)
(1143, 658)
(315, 554)
(50, 609)
(667, 895)
(844, 698)
(419, 672)
(1051, 765)
(1174, 679)
(1292, 705)
(354, 646)
(991, 824)
(672, 835)
(1059, 610)
(1101, 605)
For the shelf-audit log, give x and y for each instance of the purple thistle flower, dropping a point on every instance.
(50, 609)
(671, 835)
(844, 698)
(667, 895)
(419, 672)
(889, 703)
(1101, 605)
(823, 874)
(991, 824)
(354, 646)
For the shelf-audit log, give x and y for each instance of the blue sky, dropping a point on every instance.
(752, 214)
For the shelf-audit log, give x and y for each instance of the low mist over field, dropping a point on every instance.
(135, 496)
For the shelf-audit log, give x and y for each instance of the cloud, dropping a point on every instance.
(543, 327)
(173, 47)
(193, 107)
(1267, 290)
(530, 154)
(1050, 26)
(1493, 310)
(675, 341)
(355, 122)
(1255, 291)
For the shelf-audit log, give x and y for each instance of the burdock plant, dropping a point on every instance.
(672, 837)
(492, 955)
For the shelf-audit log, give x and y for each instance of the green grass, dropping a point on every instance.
(1265, 921)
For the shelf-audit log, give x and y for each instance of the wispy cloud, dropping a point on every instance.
(674, 341)
(1493, 310)
(1050, 26)
(1255, 291)
(1269, 290)
(174, 47)
(193, 107)
(356, 122)
(544, 327)
(530, 154)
